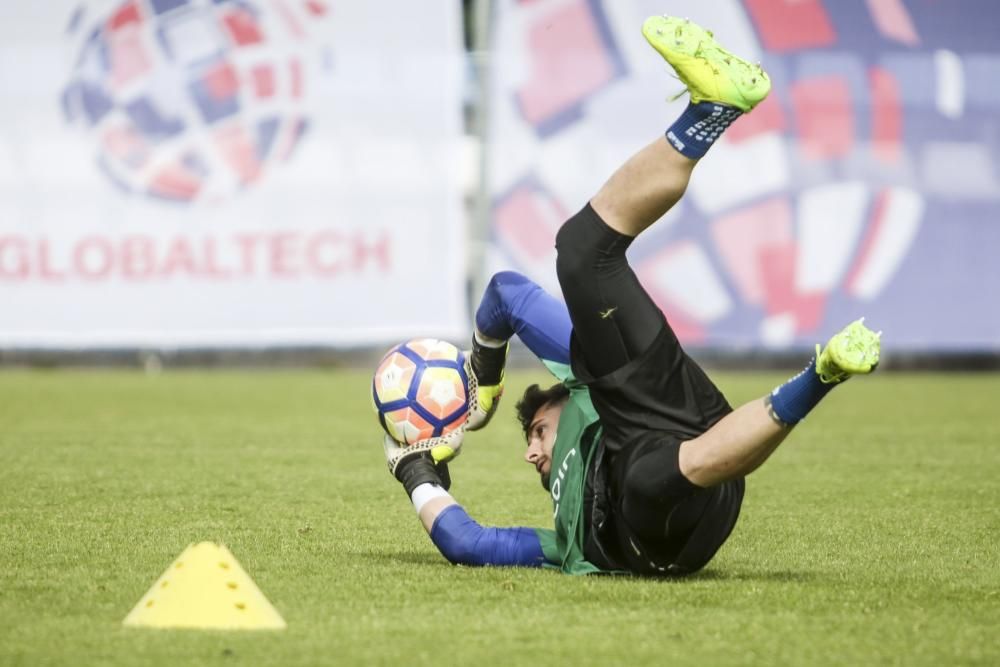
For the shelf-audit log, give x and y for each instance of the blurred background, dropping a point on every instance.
(227, 182)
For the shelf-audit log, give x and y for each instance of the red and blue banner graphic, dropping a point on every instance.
(866, 184)
(186, 100)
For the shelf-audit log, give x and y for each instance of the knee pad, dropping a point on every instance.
(572, 257)
(585, 244)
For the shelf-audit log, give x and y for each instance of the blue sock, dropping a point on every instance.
(792, 401)
(699, 126)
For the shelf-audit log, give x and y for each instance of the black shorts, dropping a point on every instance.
(643, 514)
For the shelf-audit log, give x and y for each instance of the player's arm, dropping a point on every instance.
(463, 541)
(513, 304)
(458, 537)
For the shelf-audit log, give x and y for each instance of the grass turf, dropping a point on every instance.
(870, 537)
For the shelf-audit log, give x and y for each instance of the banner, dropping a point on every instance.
(866, 184)
(230, 172)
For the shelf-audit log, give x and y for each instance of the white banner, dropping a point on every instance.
(241, 172)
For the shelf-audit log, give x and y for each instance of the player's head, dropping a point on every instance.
(538, 411)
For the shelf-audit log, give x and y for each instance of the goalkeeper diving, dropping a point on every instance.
(644, 459)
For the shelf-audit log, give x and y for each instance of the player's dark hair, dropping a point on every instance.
(535, 398)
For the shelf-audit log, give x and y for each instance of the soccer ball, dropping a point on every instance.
(421, 390)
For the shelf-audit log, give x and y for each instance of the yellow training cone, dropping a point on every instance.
(205, 588)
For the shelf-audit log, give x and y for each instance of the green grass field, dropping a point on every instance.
(871, 537)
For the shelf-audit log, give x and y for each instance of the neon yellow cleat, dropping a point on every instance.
(711, 73)
(853, 351)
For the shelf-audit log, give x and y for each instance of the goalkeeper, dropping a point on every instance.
(642, 455)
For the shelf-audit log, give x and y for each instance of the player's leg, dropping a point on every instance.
(721, 86)
(614, 320)
(666, 489)
(643, 189)
(742, 440)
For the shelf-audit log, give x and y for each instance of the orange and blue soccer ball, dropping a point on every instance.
(421, 390)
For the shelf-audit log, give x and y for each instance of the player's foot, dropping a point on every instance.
(711, 73)
(853, 351)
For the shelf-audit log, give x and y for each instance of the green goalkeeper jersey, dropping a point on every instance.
(572, 456)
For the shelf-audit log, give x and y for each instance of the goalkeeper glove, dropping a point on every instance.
(423, 462)
(486, 366)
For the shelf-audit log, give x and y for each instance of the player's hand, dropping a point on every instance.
(425, 461)
(438, 451)
(483, 400)
(483, 405)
